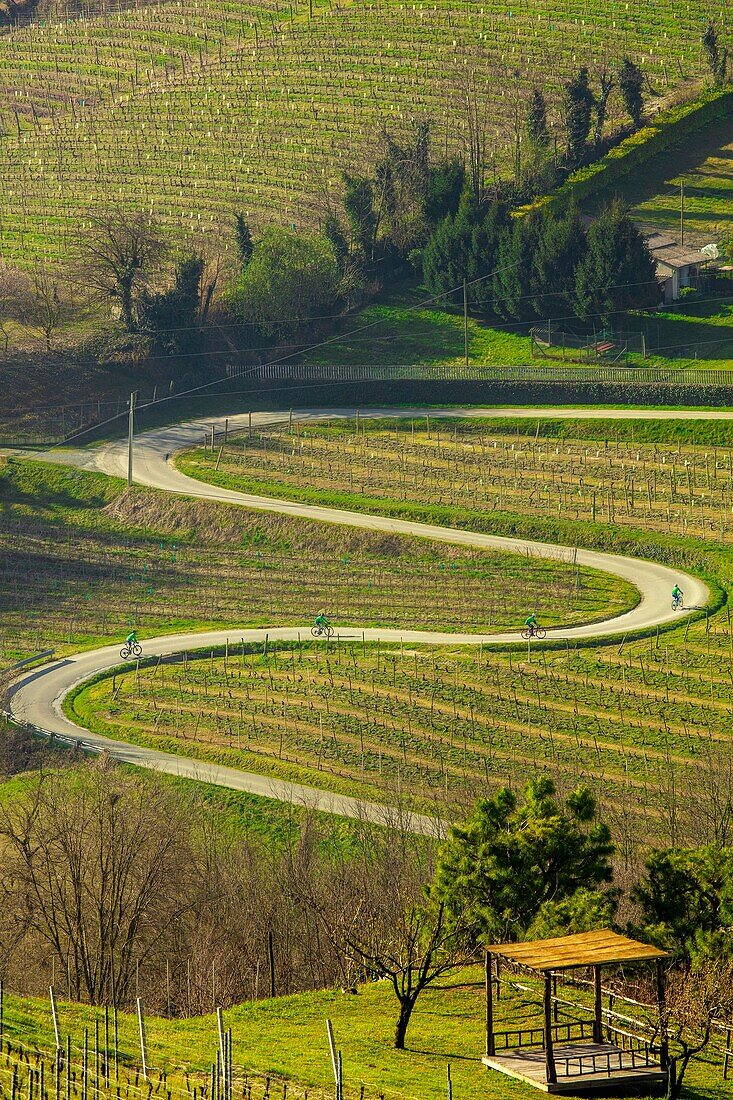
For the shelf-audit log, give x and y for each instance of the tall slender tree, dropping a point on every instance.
(631, 83)
(717, 58)
(577, 111)
(537, 130)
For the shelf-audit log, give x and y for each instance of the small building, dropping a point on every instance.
(677, 265)
(571, 1055)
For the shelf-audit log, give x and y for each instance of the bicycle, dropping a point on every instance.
(538, 632)
(677, 602)
(134, 650)
(322, 628)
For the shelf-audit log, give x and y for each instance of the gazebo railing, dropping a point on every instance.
(627, 1040)
(535, 1036)
(606, 1062)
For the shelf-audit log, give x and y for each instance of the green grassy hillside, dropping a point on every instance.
(285, 1040)
(195, 111)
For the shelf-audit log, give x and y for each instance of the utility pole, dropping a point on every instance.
(130, 433)
(682, 214)
(465, 320)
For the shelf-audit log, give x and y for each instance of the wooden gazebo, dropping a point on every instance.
(572, 1055)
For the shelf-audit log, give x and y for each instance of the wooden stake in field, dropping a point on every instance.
(143, 1042)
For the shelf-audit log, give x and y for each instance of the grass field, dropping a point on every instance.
(285, 1040)
(82, 561)
(703, 163)
(260, 108)
(693, 334)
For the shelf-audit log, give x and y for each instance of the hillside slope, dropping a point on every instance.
(195, 112)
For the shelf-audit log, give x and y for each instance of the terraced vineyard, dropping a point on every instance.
(260, 108)
(672, 488)
(97, 561)
(634, 721)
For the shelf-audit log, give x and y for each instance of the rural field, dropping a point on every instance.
(212, 105)
(643, 723)
(280, 1046)
(633, 719)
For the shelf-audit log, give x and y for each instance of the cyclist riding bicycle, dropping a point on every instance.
(677, 594)
(531, 623)
(322, 620)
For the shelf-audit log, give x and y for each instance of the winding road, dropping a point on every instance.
(36, 697)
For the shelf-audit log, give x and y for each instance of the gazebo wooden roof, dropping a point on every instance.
(584, 949)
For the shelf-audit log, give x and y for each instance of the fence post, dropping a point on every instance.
(143, 1045)
(54, 1014)
(222, 1050)
(334, 1056)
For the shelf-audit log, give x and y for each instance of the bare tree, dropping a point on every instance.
(385, 923)
(46, 308)
(695, 999)
(95, 866)
(15, 294)
(120, 257)
(472, 108)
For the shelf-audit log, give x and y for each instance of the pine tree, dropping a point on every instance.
(617, 273)
(244, 240)
(631, 82)
(465, 247)
(577, 107)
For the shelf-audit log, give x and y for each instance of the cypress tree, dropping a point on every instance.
(171, 318)
(333, 231)
(537, 130)
(359, 207)
(244, 240)
(717, 59)
(577, 109)
(631, 82)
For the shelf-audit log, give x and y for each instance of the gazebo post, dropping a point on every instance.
(598, 1015)
(663, 1042)
(489, 1006)
(550, 1073)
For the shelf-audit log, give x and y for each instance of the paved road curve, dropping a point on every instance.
(37, 696)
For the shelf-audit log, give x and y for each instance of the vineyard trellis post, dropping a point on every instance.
(143, 1045)
(55, 1017)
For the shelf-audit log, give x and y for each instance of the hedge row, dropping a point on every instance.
(667, 129)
